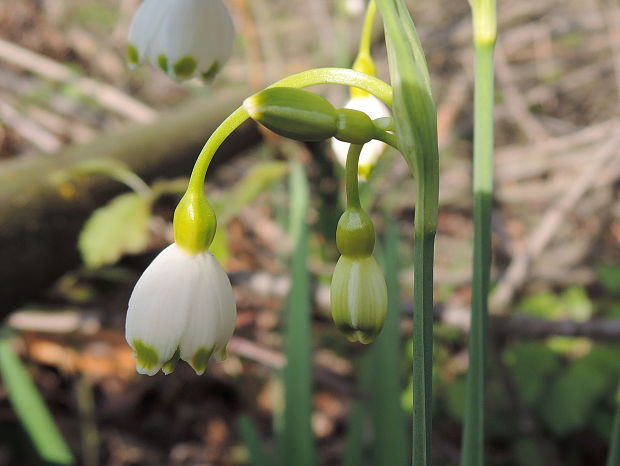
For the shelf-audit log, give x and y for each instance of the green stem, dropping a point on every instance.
(473, 432)
(344, 76)
(423, 327)
(352, 188)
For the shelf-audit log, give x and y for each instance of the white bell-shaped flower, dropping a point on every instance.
(182, 307)
(185, 38)
(372, 150)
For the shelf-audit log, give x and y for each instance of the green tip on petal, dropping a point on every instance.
(221, 354)
(146, 355)
(200, 359)
(184, 68)
(212, 71)
(133, 56)
(162, 62)
(170, 365)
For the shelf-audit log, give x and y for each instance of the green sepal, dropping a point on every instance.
(194, 222)
(354, 127)
(355, 234)
(293, 113)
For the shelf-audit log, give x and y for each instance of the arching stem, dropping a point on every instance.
(344, 76)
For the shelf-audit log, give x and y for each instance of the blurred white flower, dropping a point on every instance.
(185, 38)
(181, 308)
(372, 150)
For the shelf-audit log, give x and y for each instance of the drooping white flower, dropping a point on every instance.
(182, 307)
(358, 298)
(185, 38)
(372, 150)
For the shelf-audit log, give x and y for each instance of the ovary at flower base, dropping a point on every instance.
(372, 150)
(185, 38)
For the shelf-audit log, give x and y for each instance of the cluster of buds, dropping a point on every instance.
(358, 289)
(183, 306)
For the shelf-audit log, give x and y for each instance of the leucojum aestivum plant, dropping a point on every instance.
(183, 306)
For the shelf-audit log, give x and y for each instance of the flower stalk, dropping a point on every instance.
(484, 22)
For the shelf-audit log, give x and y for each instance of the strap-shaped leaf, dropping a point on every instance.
(416, 134)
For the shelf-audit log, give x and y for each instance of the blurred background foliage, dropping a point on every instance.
(555, 347)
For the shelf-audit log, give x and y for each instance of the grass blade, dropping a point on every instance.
(297, 442)
(613, 457)
(388, 416)
(30, 407)
(252, 441)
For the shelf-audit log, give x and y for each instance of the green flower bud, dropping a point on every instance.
(355, 234)
(194, 223)
(293, 113)
(358, 298)
(354, 127)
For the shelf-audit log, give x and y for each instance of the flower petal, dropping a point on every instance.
(212, 314)
(158, 308)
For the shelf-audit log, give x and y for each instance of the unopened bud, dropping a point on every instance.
(293, 113)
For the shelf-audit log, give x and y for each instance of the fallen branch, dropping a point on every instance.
(40, 219)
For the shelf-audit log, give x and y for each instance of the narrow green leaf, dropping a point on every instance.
(388, 418)
(355, 453)
(416, 134)
(253, 442)
(613, 458)
(120, 227)
(30, 407)
(297, 442)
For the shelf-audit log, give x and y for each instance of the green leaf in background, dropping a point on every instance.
(259, 179)
(252, 441)
(532, 364)
(297, 440)
(609, 276)
(386, 381)
(572, 396)
(526, 452)
(30, 407)
(613, 457)
(120, 227)
(219, 246)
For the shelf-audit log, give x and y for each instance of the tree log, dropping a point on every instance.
(40, 220)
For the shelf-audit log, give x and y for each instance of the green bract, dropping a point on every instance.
(355, 234)
(293, 113)
(358, 298)
(194, 223)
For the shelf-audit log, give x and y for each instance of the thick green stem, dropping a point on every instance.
(344, 76)
(353, 194)
(473, 433)
(422, 343)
